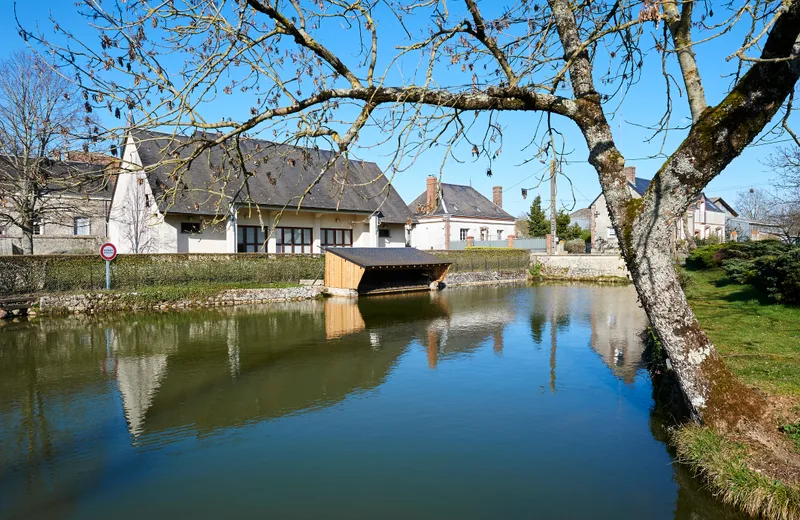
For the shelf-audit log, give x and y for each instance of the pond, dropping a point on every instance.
(502, 402)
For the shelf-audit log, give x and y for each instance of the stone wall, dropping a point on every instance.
(91, 303)
(582, 267)
(486, 277)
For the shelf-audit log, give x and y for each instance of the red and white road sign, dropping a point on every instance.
(108, 251)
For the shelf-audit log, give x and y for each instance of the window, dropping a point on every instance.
(499, 234)
(337, 237)
(37, 227)
(610, 232)
(463, 233)
(80, 226)
(190, 228)
(384, 233)
(250, 239)
(293, 240)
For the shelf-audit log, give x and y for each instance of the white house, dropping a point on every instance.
(704, 217)
(447, 213)
(204, 208)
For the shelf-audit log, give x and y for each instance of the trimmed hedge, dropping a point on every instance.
(75, 273)
(486, 259)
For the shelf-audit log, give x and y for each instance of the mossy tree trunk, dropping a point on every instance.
(646, 225)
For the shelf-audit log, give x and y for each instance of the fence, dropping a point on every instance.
(75, 273)
(486, 260)
(532, 244)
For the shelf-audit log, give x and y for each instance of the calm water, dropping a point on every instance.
(511, 402)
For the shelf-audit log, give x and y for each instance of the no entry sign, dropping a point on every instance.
(108, 251)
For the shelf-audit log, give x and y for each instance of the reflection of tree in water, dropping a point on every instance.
(538, 322)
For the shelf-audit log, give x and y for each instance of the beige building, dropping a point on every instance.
(705, 219)
(70, 219)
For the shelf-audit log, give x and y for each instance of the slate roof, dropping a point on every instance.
(76, 178)
(386, 256)
(280, 175)
(640, 186)
(460, 201)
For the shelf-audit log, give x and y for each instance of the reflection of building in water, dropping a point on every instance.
(138, 379)
(342, 317)
(617, 322)
(472, 318)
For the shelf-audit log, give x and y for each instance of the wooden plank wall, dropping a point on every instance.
(340, 273)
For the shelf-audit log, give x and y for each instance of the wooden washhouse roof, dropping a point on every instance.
(387, 256)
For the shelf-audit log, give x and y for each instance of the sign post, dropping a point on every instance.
(108, 252)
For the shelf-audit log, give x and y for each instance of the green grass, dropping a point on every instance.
(758, 339)
(724, 464)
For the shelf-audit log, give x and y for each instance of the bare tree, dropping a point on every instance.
(451, 72)
(41, 120)
(754, 204)
(785, 219)
(135, 217)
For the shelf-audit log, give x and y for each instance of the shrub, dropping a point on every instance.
(575, 247)
(739, 270)
(586, 235)
(779, 276)
(703, 257)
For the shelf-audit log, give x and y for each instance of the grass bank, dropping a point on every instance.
(759, 340)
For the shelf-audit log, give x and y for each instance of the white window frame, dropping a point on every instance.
(499, 234)
(463, 233)
(611, 232)
(76, 228)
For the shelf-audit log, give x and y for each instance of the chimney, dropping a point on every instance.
(57, 155)
(497, 196)
(431, 193)
(630, 173)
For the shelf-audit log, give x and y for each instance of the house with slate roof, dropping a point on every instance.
(71, 210)
(704, 218)
(204, 208)
(446, 213)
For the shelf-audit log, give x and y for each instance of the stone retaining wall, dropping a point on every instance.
(105, 302)
(595, 268)
(487, 277)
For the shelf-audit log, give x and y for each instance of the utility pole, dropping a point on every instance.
(553, 241)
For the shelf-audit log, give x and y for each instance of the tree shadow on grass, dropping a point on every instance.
(746, 293)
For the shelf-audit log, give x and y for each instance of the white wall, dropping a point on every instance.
(429, 233)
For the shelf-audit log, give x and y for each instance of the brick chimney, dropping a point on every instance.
(497, 196)
(630, 173)
(431, 193)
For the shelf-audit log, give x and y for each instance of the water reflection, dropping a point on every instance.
(368, 391)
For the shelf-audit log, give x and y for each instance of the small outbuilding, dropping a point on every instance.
(375, 270)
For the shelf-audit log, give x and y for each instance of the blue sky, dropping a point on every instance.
(643, 105)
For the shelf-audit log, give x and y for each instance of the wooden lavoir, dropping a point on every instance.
(380, 270)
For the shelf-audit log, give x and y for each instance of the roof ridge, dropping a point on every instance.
(248, 139)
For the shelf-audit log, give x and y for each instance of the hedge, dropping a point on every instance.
(486, 259)
(75, 273)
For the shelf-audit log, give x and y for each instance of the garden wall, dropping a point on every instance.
(582, 267)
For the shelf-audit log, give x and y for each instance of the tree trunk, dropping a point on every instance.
(714, 395)
(27, 240)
